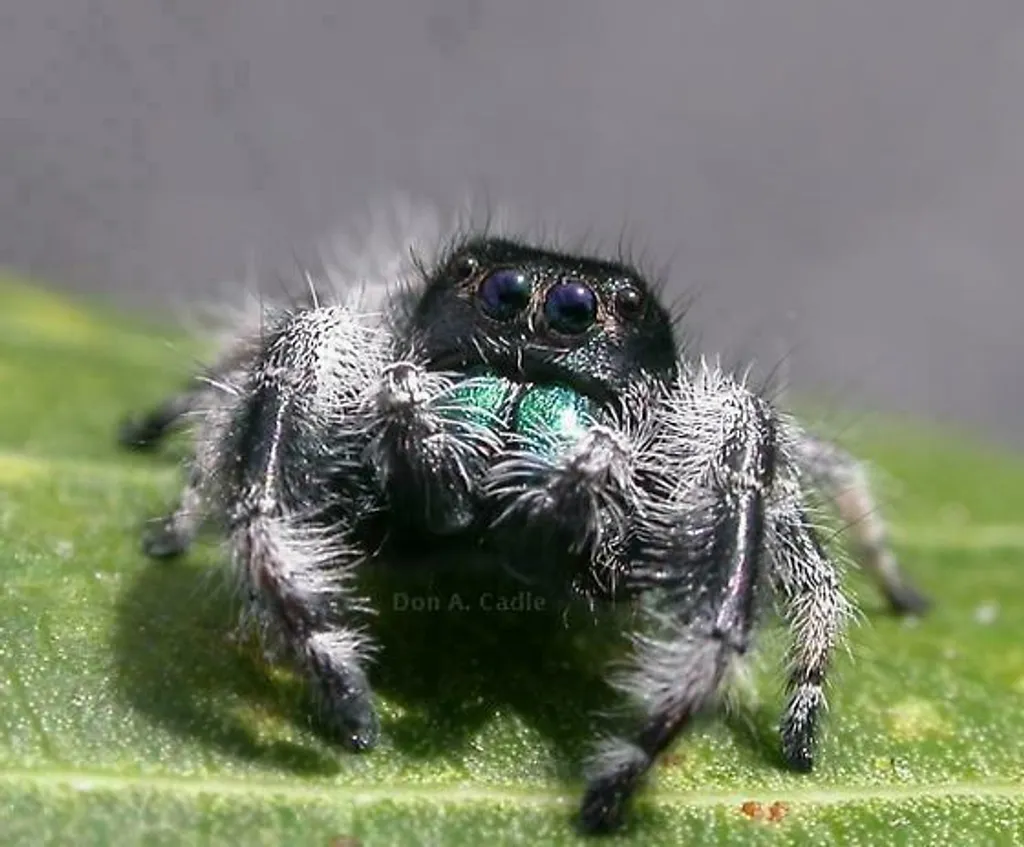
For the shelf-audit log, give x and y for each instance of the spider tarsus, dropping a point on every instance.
(362, 733)
(798, 749)
(603, 809)
(348, 712)
(616, 775)
(162, 540)
(799, 726)
(140, 434)
(799, 760)
(798, 729)
(906, 601)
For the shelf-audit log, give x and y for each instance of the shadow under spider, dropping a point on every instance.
(178, 664)
(456, 649)
(448, 668)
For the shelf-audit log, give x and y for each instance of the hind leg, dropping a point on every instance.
(146, 430)
(842, 479)
(172, 535)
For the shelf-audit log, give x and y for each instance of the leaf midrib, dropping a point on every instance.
(466, 795)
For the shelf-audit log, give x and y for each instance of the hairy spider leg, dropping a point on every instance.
(566, 484)
(700, 571)
(285, 445)
(145, 431)
(267, 457)
(844, 482)
(322, 411)
(816, 611)
(430, 443)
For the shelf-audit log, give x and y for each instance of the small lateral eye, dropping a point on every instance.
(464, 266)
(629, 301)
(505, 293)
(570, 307)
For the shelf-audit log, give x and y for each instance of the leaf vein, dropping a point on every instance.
(466, 795)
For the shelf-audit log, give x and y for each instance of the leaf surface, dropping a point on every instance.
(130, 714)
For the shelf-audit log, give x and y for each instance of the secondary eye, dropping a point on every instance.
(504, 293)
(464, 266)
(570, 307)
(629, 302)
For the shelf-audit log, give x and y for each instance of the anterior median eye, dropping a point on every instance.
(570, 307)
(505, 293)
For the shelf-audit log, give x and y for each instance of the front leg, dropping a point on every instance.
(431, 436)
(700, 570)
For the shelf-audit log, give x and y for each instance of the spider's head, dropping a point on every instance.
(534, 315)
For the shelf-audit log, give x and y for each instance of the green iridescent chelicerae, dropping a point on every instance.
(547, 417)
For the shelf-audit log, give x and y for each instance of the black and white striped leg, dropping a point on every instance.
(706, 575)
(816, 612)
(274, 457)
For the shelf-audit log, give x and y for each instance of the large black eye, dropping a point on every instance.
(570, 307)
(504, 293)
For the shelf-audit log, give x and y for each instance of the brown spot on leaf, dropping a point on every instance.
(671, 760)
(753, 810)
(758, 812)
(346, 841)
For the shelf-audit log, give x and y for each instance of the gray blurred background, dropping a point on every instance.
(841, 181)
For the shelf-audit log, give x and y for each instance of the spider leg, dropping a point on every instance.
(430, 438)
(172, 535)
(579, 499)
(275, 453)
(844, 481)
(700, 570)
(816, 610)
(146, 430)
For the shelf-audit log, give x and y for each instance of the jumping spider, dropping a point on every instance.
(535, 408)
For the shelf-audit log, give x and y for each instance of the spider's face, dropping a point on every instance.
(543, 317)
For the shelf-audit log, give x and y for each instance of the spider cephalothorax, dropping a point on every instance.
(544, 317)
(530, 409)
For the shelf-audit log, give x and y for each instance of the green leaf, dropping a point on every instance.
(129, 714)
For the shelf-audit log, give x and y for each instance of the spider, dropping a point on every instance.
(532, 409)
